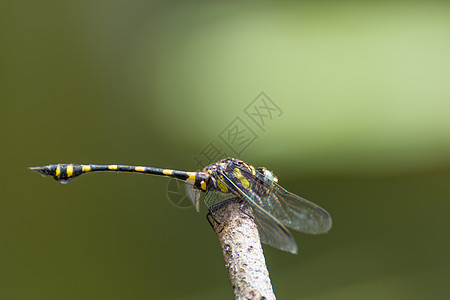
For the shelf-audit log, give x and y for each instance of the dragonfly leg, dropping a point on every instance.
(213, 208)
(210, 218)
(242, 208)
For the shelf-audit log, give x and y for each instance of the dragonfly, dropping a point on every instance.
(275, 209)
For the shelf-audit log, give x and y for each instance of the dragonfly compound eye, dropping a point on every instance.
(268, 178)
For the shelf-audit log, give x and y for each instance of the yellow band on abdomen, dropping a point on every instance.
(69, 171)
(167, 172)
(85, 168)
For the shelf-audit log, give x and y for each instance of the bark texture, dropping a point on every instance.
(244, 259)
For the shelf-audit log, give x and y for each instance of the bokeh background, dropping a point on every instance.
(365, 133)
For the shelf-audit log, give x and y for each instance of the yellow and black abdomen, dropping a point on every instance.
(64, 173)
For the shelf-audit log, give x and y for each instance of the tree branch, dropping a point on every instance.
(244, 259)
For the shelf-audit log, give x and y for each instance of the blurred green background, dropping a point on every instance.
(365, 133)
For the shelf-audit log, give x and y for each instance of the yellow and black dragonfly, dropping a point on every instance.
(274, 207)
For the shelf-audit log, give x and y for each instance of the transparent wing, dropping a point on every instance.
(304, 215)
(215, 197)
(194, 195)
(272, 232)
(291, 210)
